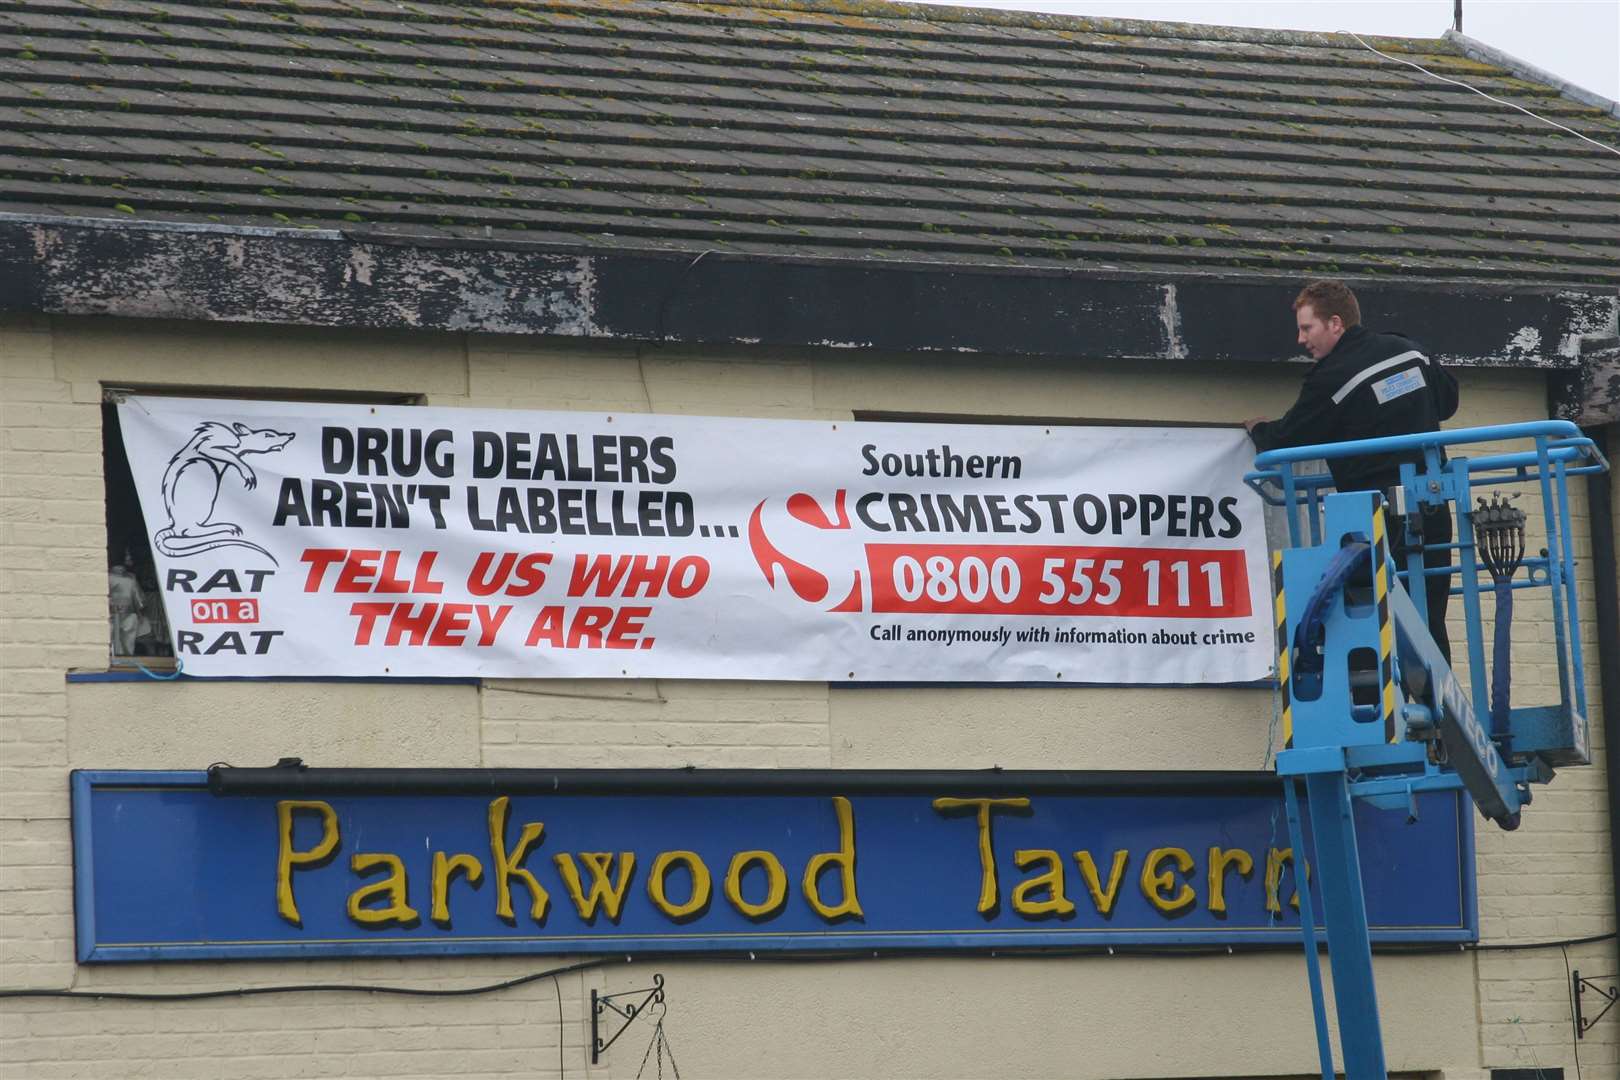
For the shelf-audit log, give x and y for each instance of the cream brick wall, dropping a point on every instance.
(1456, 1013)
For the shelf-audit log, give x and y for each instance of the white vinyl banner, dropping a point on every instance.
(316, 539)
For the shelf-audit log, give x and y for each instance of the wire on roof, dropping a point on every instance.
(1483, 94)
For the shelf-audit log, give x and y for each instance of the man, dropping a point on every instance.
(1366, 386)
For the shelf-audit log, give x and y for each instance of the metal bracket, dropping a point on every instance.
(601, 1003)
(1581, 986)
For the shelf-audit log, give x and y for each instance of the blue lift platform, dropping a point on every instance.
(1370, 708)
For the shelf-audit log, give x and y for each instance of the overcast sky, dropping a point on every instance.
(1576, 39)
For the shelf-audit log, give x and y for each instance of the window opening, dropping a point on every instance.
(137, 625)
(137, 621)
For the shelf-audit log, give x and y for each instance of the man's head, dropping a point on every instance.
(1324, 310)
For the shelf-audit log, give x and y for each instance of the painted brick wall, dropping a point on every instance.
(1460, 1013)
(1551, 879)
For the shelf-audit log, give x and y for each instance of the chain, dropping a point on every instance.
(657, 1030)
(659, 1043)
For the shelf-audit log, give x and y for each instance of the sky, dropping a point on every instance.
(1578, 40)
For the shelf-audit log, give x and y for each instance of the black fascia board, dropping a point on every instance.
(327, 278)
(298, 780)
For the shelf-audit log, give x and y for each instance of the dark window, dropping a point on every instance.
(138, 628)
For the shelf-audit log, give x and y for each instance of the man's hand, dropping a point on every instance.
(1248, 425)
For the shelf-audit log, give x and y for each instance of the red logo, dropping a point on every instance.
(826, 558)
(227, 609)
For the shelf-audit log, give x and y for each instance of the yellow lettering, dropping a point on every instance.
(844, 860)
(1275, 860)
(1052, 881)
(775, 883)
(607, 893)
(288, 857)
(700, 884)
(445, 868)
(509, 865)
(989, 892)
(1155, 882)
(1219, 860)
(1103, 898)
(393, 888)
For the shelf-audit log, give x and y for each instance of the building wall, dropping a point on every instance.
(1455, 1013)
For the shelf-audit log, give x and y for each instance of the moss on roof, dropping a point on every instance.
(847, 128)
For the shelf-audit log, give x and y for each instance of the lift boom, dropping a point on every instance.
(1370, 707)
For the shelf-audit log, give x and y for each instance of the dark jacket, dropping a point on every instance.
(1369, 386)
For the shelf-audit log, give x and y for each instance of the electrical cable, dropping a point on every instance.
(1510, 946)
(556, 981)
(1574, 1039)
(792, 957)
(1483, 94)
(298, 988)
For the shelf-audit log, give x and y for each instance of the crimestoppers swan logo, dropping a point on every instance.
(816, 555)
(192, 483)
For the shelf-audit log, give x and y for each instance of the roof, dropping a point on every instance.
(871, 132)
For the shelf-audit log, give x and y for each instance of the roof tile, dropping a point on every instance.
(795, 128)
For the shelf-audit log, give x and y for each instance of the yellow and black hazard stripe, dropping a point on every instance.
(1386, 629)
(1282, 650)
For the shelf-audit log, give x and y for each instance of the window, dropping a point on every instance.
(138, 628)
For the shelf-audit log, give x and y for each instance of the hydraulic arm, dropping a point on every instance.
(1371, 707)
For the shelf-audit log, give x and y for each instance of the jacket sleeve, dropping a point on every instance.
(1310, 420)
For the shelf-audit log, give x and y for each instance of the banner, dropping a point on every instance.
(319, 539)
(164, 870)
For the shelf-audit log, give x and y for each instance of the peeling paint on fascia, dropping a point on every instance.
(828, 343)
(925, 348)
(45, 242)
(1590, 316)
(569, 307)
(1525, 343)
(490, 300)
(360, 265)
(584, 281)
(1170, 316)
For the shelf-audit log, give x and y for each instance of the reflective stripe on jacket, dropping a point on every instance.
(1369, 386)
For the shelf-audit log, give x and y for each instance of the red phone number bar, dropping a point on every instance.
(1022, 579)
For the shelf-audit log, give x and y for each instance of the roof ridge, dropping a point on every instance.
(696, 10)
(1042, 20)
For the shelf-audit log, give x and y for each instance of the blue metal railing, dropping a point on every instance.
(1557, 441)
(1559, 451)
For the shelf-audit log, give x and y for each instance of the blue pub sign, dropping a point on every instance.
(166, 870)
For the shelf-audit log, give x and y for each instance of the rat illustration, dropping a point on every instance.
(192, 481)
